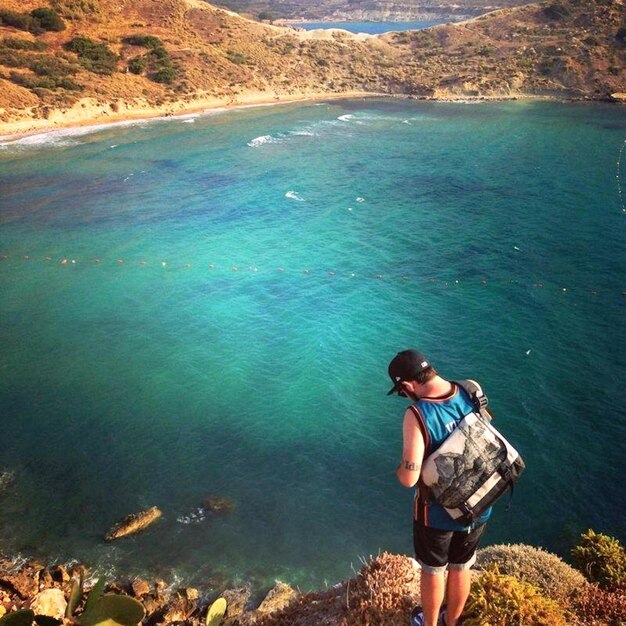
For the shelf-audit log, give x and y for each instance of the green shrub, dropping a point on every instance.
(23, 44)
(499, 600)
(138, 65)
(93, 56)
(157, 62)
(546, 66)
(21, 21)
(73, 9)
(43, 82)
(555, 578)
(37, 21)
(13, 58)
(147, 41)
(236, 57)
(51, 66)
(599, 606)
(164, 75)
(602, 559)
(556, 11)
(48, 19)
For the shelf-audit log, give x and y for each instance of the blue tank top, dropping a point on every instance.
(436, 419)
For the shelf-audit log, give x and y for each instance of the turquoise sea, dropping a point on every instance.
(206, 306)
(372, 28)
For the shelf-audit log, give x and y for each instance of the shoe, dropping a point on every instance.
(417, 617)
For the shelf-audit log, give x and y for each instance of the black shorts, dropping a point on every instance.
(437, 550)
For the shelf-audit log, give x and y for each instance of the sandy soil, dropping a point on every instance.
(87, 112)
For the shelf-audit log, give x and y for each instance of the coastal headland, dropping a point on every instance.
(100, 61)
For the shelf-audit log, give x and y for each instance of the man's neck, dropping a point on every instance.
(435, 387)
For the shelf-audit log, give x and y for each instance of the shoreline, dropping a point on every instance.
(102, 116)
(22, 129)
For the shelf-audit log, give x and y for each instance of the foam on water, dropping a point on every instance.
(294, 195)
(265, 139)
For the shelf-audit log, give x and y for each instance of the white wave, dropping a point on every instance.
(113, 146)
(195, 517)
(359, 199)
(345, 118)
(264, 139)
(294, 195)
(259, 141)
(190, 121)
(302, 133)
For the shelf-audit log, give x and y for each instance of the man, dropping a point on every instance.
(440, 543)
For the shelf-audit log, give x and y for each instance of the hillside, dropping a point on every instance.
(109, 59)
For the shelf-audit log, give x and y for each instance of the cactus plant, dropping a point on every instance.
(100, 610)
(94, 594)
(24, 617)
(111, 609)
(216, 612)
(46, 620)
(76, 595)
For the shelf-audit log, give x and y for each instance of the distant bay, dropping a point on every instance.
(371, 28)
(206, 306)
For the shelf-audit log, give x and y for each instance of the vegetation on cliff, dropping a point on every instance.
(513, 586)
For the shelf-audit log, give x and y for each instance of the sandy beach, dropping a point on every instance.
(87, 113)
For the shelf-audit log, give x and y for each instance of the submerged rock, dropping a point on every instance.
(278, 597)
(219, 505)
(6, 479)
(133, 523)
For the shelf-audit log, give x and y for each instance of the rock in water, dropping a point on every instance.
(219, 505)
(6, 478)
(278, 597)
(133, 523)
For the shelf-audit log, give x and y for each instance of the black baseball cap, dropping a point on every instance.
(406, 365)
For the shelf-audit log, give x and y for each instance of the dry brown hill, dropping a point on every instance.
(570, 49)
(145, 57)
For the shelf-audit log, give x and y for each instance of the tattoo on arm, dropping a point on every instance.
(411, 466)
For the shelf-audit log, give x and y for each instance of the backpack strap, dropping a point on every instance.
(477, 396)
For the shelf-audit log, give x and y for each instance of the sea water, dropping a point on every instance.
(206, 306)
(373, 28)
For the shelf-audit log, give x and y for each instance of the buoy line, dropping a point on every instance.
(214, 268)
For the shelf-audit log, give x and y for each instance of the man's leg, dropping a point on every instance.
(457, 591)
(431, 551)
(462, 557)
(431, 589)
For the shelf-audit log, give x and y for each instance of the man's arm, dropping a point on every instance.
(409, 469)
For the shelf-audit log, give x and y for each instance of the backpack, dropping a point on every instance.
(474, 466)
